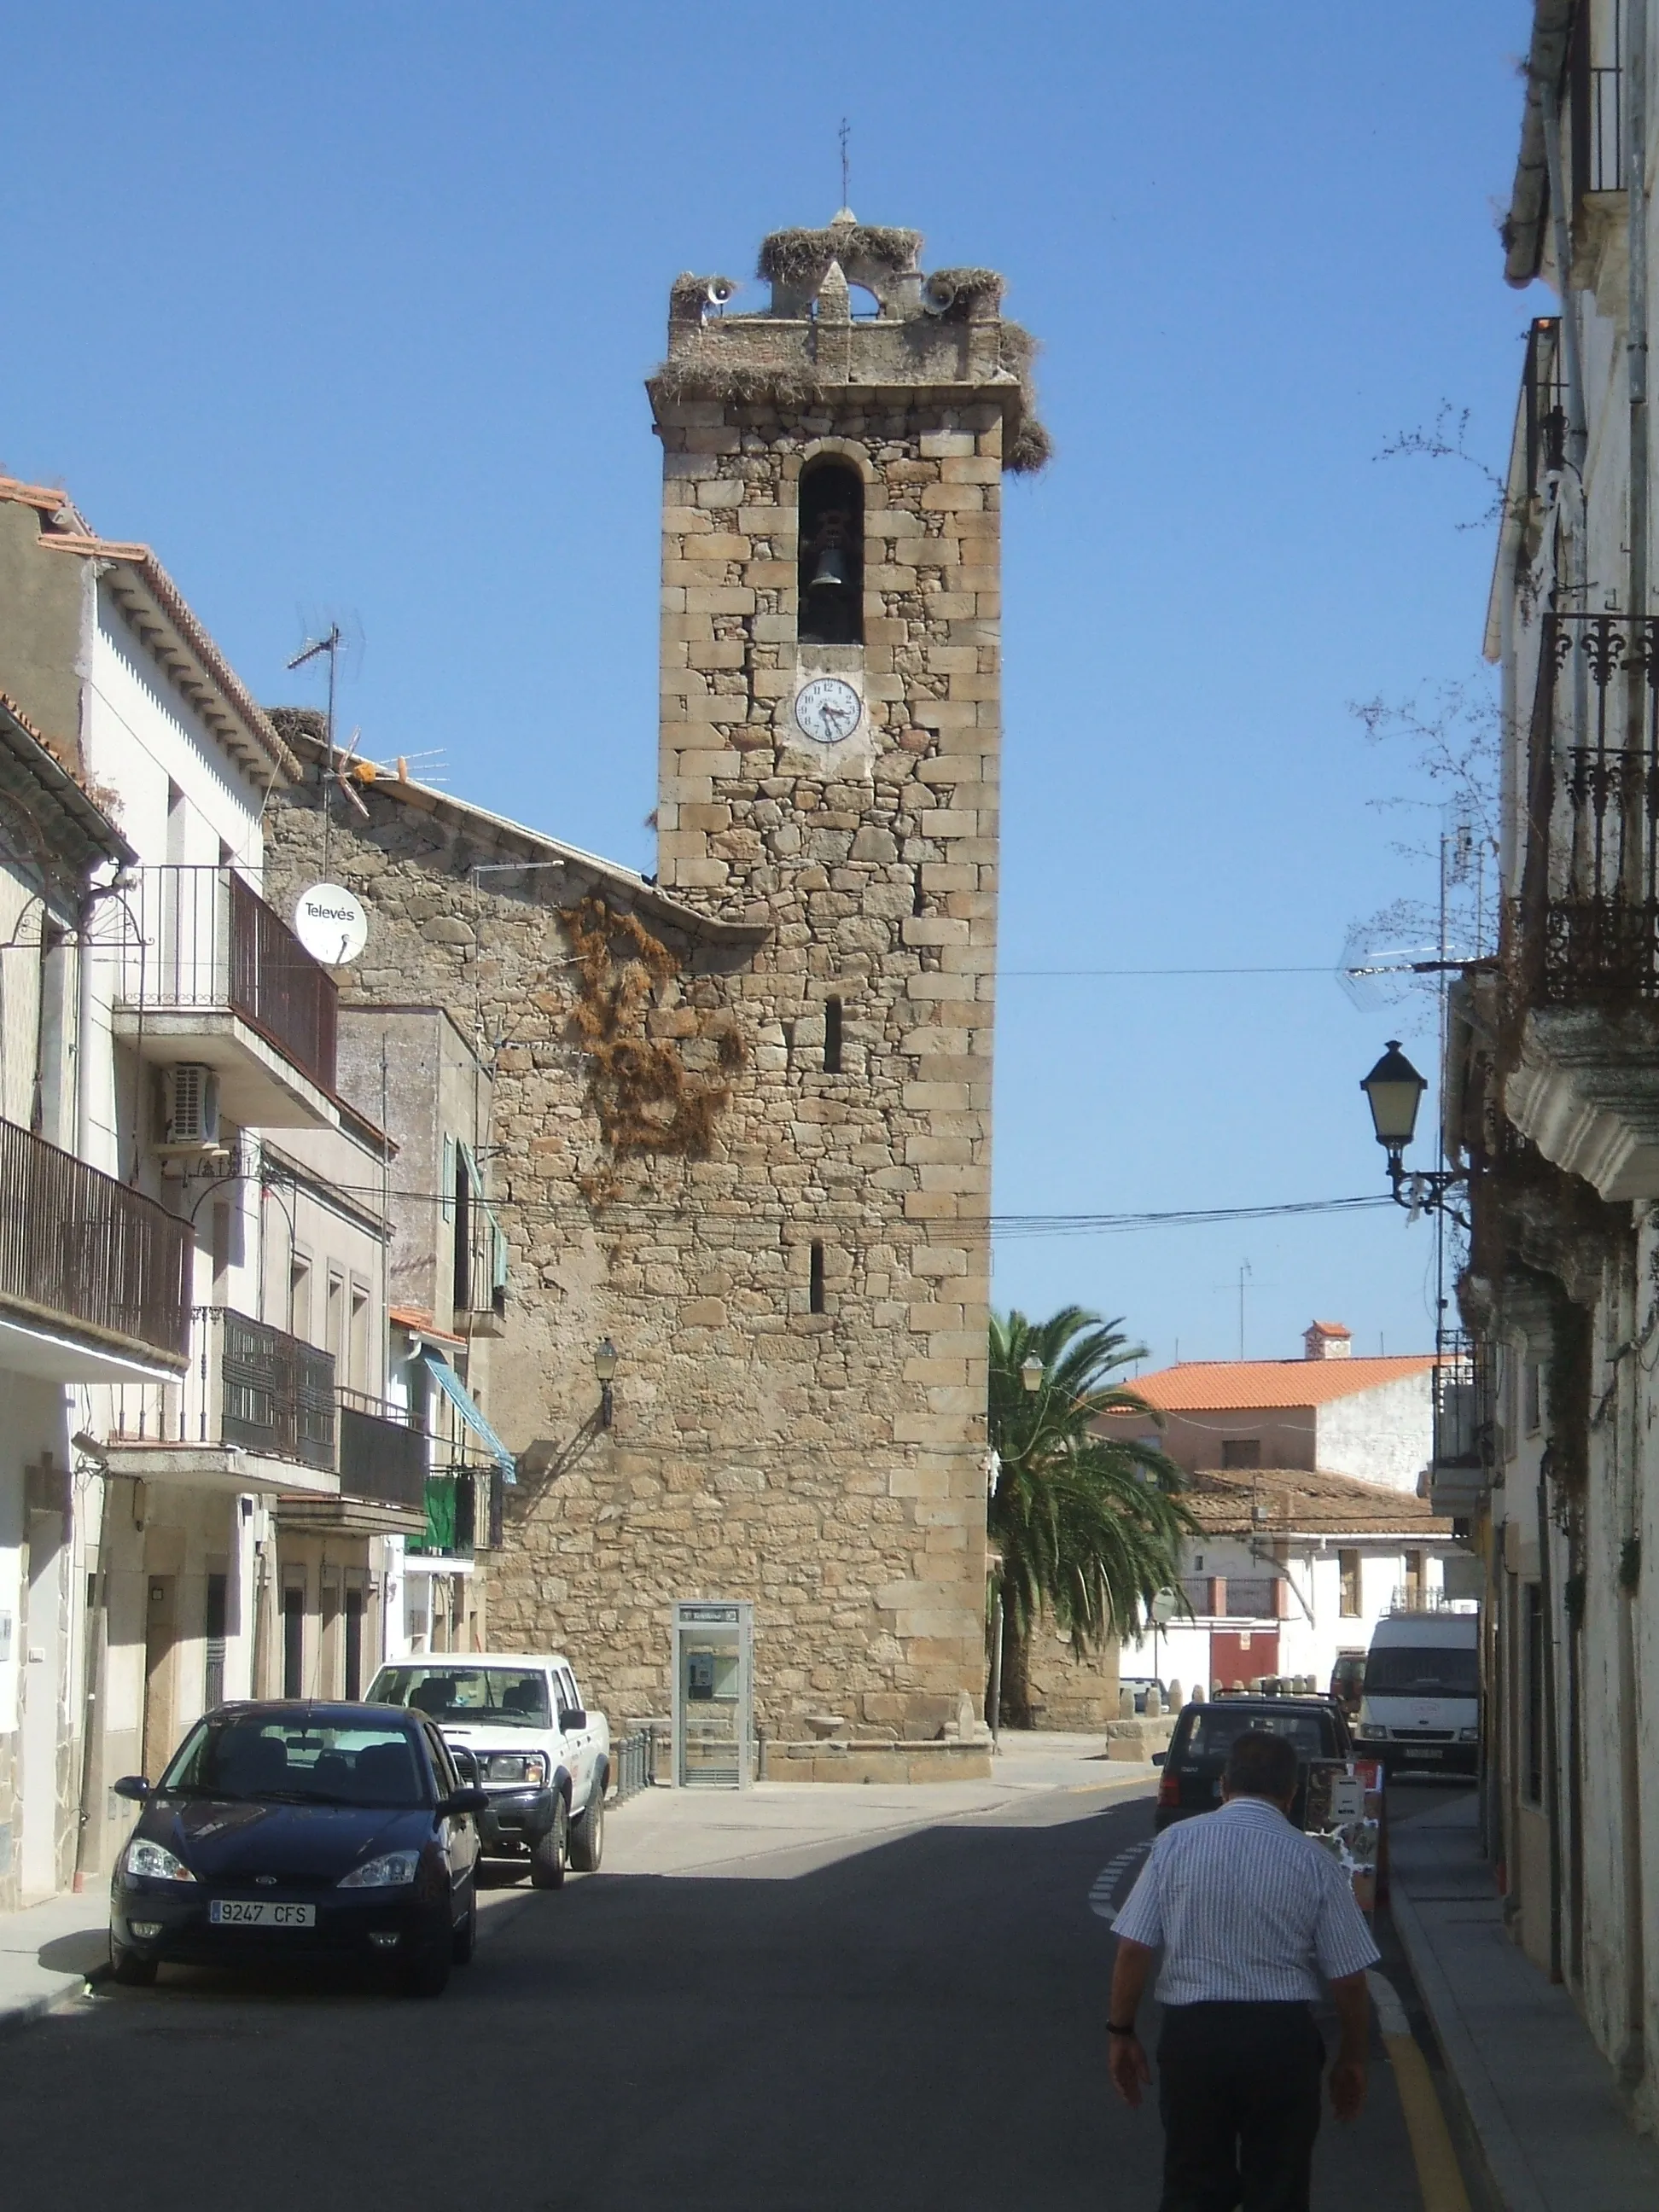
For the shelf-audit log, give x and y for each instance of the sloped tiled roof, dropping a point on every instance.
(1207, 1386)
(1301, 1503)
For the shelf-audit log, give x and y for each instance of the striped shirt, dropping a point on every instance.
(1247, 1908)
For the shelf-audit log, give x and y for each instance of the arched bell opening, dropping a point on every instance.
(831, 572)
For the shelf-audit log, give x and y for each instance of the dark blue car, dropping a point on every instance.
(290, 1831)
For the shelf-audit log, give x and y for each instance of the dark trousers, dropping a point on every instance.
(1238, 2088)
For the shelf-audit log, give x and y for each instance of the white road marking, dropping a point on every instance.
(1103, 1890)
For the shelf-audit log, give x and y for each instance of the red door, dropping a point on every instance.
(1239, 1655)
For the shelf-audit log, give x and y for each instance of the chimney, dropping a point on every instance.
(1327, 1340)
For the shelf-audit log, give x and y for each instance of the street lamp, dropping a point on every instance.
(1394, 1090)
(605, 1367)
(1031, 1373)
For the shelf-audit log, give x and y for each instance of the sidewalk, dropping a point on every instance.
(47, 1951)
(1537, 2092)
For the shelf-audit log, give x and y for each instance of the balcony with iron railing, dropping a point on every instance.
(1581, 940)
(209, 973)
(93, 1276)
(255, 1409)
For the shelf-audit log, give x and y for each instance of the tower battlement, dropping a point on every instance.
(942, 332)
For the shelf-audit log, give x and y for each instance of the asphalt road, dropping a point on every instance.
(918, 2025)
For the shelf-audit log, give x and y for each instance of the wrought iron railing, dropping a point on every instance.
(248, 1385)
(77, 1249)
(202, 937)
(383, 1457)
(1464, 1434)
(1596, 101)
(1586, 926)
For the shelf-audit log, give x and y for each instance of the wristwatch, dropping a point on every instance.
(1112, 2028)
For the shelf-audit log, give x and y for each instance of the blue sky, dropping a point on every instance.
(348, 308)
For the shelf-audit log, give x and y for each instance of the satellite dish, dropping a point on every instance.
(332, 923)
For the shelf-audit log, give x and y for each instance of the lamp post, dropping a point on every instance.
(605, 1367)
(1394, 1090)
(1031, 1373)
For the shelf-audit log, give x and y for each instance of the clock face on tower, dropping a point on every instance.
(828, 710)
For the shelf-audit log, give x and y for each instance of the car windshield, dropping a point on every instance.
(504, 1697)
(1423, 1670)
(1216, 1728)
(257, 1759)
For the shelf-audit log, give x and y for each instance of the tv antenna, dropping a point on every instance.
(333, 642)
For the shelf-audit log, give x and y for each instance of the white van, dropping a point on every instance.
(1420, 1705)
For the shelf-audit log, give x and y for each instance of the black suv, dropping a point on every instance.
(1204, 1735)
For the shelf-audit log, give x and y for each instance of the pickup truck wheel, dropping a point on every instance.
(550, 1855)
(588, 1834)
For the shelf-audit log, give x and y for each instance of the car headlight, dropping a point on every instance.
(390, 1871)
(1468, 1735)
(1371, 1729)
(524, 1769)
(149, 1861)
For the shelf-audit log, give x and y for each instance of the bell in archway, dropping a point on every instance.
(830, 574)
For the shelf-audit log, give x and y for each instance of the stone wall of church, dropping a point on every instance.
(828, 1465)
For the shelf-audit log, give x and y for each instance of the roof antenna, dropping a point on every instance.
(846, 213)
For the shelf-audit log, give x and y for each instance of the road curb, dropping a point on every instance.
(28, 2010)
(1439, 2180)
(1506, 2160)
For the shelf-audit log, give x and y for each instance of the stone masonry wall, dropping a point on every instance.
(830, 1465)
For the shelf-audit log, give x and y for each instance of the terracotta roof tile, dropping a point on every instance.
(1221, 1385)
(1306, 1504)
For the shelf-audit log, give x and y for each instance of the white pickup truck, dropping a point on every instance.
(544, 1759)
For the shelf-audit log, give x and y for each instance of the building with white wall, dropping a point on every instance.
(1306, 1478)
(214, 1519)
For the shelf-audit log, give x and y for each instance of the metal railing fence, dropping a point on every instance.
(247, 1384)
(202, 937)
(76, 1246)
(383, 1454)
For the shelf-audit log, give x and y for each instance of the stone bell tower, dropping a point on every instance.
(831, 732)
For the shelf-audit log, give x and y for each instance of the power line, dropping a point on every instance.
(1004, 1226)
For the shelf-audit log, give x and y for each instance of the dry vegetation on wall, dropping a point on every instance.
(646, 1097)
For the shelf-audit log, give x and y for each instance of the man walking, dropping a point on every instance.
(1249, 1912)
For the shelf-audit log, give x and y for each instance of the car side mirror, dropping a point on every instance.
(1158, 1758)
(131, 1786)
(573, 1716)
(466, 1800)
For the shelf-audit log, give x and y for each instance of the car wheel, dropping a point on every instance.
(550, 1855)
(428, 1977)
(129, 1970)
(466, 1935)
(588, 1834)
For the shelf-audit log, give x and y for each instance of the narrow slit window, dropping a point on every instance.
(918, 896)
(831, 571)
(815, 1280)
(832, 1036)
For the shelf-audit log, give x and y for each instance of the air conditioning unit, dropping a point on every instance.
(190, 1108)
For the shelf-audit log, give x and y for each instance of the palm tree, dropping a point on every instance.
(1090, 1526)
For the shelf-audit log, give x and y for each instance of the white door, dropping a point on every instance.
(42, 1682)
